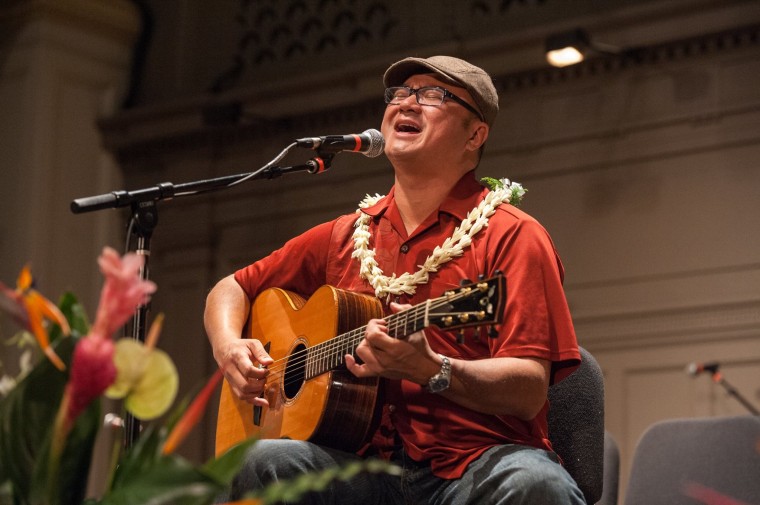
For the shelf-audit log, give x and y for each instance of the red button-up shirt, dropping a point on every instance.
(536, 322)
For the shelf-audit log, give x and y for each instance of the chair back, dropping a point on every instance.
(697, 460)
(576, 425)
(611, 480)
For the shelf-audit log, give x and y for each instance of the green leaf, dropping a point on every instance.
(170, 481)
(491, 183)
(224, 468)
(147, 477)
(6, 492)
(75, 315)
(26, 419)
(140, 457)
(69, 484)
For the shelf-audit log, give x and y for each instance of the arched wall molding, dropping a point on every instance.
(704, 45)
(176, 127)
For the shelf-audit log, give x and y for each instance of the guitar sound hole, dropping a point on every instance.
(295, 371)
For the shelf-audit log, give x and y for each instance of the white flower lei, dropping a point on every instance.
(452, 247)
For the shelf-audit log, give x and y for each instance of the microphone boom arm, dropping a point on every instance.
(168, 190)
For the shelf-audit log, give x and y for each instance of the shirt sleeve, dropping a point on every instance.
(537, 321)
(298, 266)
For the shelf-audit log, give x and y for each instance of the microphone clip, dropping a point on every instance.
(320, 163)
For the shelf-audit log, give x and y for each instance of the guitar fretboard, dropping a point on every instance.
(330, 354)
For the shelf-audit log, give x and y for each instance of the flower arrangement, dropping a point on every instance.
(50, 412)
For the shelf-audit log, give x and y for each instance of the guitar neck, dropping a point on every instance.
(474, 304)
(330, 354)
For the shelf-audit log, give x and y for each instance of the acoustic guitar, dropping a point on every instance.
(312, 396)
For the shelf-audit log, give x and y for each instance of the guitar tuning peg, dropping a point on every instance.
(465, 282)
(493, 332)
(460, 336)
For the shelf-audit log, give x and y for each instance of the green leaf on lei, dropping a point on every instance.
(491, 183)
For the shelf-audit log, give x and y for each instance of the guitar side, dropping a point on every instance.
(334, 408)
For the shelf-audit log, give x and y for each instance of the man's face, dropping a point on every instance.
(429, 134)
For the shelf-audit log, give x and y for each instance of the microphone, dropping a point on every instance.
(695, 369)
(370, 143)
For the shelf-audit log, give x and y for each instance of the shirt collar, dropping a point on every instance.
(458, 203)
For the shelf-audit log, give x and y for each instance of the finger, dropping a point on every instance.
(251, 365)
(355, 368)
(369, 358)
(398, 307)
(251, 388)
(376, 326)
(259, 353)
(236, 380)
(256, 400)
(260, 401)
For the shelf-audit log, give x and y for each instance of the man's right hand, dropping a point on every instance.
(243, 362)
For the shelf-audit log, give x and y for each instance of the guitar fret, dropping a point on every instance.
(309, 366)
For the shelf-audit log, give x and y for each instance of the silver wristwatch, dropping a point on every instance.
(440, 381)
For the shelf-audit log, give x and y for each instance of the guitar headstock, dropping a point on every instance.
(473, 304)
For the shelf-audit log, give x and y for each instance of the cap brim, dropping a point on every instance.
(400, 71)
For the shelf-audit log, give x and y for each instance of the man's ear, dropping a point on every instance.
(478, 137)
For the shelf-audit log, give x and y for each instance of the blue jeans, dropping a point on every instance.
(504, 475)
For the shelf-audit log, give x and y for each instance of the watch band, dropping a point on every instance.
(440, 381)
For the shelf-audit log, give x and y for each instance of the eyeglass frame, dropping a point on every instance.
(446, 94)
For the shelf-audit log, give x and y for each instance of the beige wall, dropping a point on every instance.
(646, 175)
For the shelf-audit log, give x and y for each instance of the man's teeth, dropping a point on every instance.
(408, 128)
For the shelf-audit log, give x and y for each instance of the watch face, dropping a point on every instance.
(438, 384)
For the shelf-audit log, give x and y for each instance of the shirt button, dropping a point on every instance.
(405, 248)
(391, 408)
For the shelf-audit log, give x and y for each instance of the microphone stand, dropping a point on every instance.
(168, 190)
(718, 378)
(144, 220)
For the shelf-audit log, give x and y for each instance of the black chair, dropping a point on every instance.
(576, 425)
(697, 460)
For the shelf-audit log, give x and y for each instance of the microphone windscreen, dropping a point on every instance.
(376, 143)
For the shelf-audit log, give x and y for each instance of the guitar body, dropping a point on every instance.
(334, 408)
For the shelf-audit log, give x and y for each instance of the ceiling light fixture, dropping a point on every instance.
(571, 47)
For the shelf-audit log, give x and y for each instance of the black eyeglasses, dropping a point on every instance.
(428, 95)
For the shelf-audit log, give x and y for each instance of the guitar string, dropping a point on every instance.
(319, 351)
(294, 375)
(327, 350)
